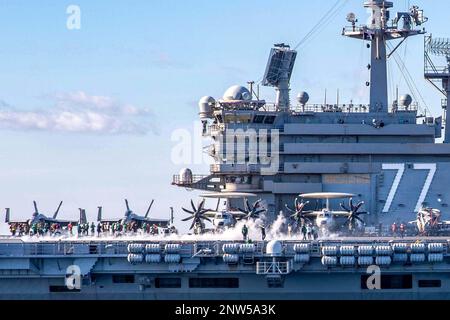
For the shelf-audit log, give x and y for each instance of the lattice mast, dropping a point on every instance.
(380, 29)
(439, 74)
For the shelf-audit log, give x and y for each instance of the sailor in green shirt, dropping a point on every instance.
(34, 228)
(304, 231)
(245, 232)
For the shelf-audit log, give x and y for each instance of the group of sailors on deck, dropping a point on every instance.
(41, 229)
(86, 229)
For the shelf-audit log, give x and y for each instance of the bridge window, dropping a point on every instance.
(269, 120)
(402, 281)
(168, 283)
(430, 283)
(213, 283)
(258, 119)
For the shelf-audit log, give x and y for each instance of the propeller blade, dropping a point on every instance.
(344, 207)
(247, 205)
(302, 206)
(206, 218)
(257, 213)
(187, 211)
(350, 202)
(360, 220)
(359, 205)
(187, 219)
(200, 207)
(256, 204)
(243, 211)
(289, 209)
(192, 225)
(193, 206)
(363, 212)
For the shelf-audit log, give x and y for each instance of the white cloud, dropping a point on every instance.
(79, 112)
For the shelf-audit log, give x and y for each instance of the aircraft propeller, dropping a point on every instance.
(252, 211)
(197, 214)
(298, 214)
(354, 214)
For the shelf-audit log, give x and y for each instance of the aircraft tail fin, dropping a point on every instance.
(99, 214)
(83, 218)
(57, 210)
(149, 208)
(8, 217)
(35, 207)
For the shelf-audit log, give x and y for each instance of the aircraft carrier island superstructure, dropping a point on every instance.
(385, 153)
(387, 156)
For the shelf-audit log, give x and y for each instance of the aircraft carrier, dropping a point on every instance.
(298, 160)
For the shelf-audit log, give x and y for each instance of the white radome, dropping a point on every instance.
(406, 100)
(303, 98)
(237, 93)
(205, 106)
(274, 248)
(186, 175)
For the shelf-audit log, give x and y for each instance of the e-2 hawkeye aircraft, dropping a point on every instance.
(327, 219)
(226, 217)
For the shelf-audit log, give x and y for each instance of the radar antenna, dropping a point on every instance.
(278, 73)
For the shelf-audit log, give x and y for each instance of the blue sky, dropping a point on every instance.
(155, 58)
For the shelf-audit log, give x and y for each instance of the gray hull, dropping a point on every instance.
(205, 271)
